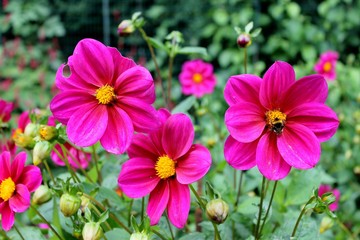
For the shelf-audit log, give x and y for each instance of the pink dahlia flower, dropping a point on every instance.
(103, 96)
(16, 183)
(197, 78)
(5, 110)
(326, 65)
(327, 188)
(276, 122)
(76, 157)
(163, 164)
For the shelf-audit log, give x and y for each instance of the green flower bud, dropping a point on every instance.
(92, 231)
(139, 236)
(31, 130)
(217, 210)
(48, 133)
(24, 141)
(41, 195)
(69, 204)
(41, 151)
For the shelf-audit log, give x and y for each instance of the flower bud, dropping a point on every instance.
(69, 204)
(244, 40)
(24, 141)
(41, 151)
(125, 28)
(48, 133)
(217, 210)
(92, 231)
(31, 130)
(41, 195)
(326, 223)
(85, 203)
(139, 236)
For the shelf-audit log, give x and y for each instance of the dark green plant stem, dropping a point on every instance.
(66, 161)
(142, 208)
(129, 213)
(300, 216)
(17, 230)
(245, 60)
(159, 234)
(169, 225)
(262, 194)
(44, 219)
(202, 205)
(3, 233)
(239, 188)
(96, 160)
(346, 230)
(49, 171)
(268, 209)
(171, 63)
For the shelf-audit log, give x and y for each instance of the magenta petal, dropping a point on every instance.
(242, 88)
(299, 146)
(245, 121)
(88, 124)
(7, 217)
(138, 177)
(311, 88)
(21, 200)
(5, 165)
(31, 177)
(193, 165)
(268, 159)
(17, 165)
(179, 203)
(121, 64)
(277, 79)
(158, 201)
(67, 79)
(240, 155)
(178, 135)
(142, 146)
(318, 117)
(119, 131)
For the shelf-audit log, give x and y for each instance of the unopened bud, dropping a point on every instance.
(48, 133)
(84, 203)
(41, 195)
(92, 231)
(125, 28)
(31, 130)
(326, 223)
(41, 151)
(139, 236)
(69, 204)
(217, 210)
(24, 141)
(244, 40)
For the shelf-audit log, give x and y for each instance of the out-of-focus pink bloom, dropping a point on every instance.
(326, 65)
(197, 78)
(5, 110)
(76, 157)
(276, 123)
(327, 188)
(23, 120)
(17, 181)
(163, 163)
(8, 145)
(103, 96)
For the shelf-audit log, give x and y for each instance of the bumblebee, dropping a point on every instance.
(277, 126)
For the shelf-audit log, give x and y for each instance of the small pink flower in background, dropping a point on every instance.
(5, 110)
(76, 157)
(8, 145)
(197, 78)
(163, 163)
(23, 120)
(276, 123)
(103, 96)
(16, 183)
(326, 65)
(327, 188)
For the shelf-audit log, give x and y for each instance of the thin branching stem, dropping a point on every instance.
(262, 194)
(268, 209)
(46, 221)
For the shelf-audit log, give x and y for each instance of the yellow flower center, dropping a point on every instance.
(275, 120)
(165, 167)
(7, 188)
(327, 67)
(197, 78)
(105, 94)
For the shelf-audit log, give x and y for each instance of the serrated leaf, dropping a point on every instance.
(193, 50)
(185, 105)
(249, 26)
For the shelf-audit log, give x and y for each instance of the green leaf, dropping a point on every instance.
(249, 26)
(195, 235)
(185, 105)
(157, 44)
(256, 32)
(104, 216)
(134, 224)
(27, 232)
(118, 234)
(193, 50)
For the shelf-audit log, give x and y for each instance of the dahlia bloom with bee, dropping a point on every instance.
(103, 96)
(276, 123)
(162, 164)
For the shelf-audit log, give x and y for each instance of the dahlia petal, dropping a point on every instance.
(311, 88)
(193, 165)
(140, 112)
(92, 61)
(21, 200)
(268, 159)
(318, 117)
(7, 217)
(277, 79)
(121, 64)
(158, 201)
(244, 87)
(142, 146)
(240, 155)
(65, 104)
(245, 121)
(179, 203)
(178, 135)
(17, 166)
(87, 125)
(5, 165)
(119, 131)
(67, 79)
(299, 146)
(137, 177)
(31, 177)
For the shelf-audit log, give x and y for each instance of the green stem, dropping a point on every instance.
(300, 216)
(44, 219)
(239, 188)
(66, 161)
(130, 208)
(346, 230)
(245, 60)
(169, 225)
(142, 208)
(49, 171)
(159, 234)
(17, 230)
(171, 63)
(96, 160)
(268, 209)
(262, 194)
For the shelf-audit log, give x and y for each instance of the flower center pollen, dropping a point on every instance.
(165, 167)
(105, 94)
(275, 120)
(327, 67)
(197, 78)
(7, 188)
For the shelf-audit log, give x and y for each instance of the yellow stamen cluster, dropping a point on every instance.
(327, 67)
(7, 189)
(105, 94)
(275, 120)
(197, 78)
(165, 167)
